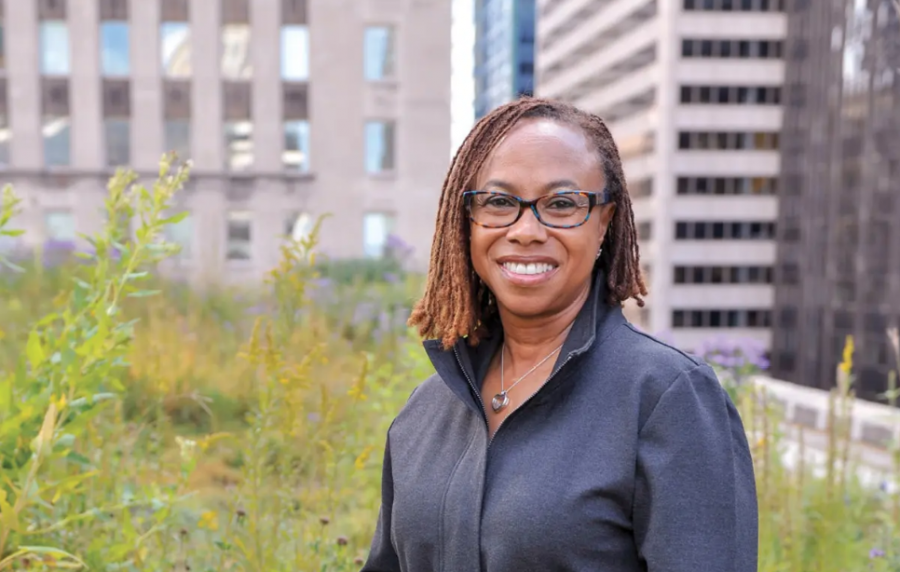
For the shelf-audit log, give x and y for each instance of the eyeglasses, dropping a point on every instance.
(563, 209)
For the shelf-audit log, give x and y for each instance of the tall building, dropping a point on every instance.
(289, 109)
(839, 220)
(691, 90)
(504, 52)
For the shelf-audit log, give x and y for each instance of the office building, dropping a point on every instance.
(289, 109)
(691, 90)
(838, 270)
(504, 52)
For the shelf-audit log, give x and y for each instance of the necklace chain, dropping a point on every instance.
(503, 389)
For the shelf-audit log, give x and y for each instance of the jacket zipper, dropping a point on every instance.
(472, 385)
(481, 401)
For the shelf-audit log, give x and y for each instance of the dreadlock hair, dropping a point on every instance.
(456, 303)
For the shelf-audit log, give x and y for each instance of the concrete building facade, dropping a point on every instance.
(838, 271)
(504, 52)
(288, 109)
(691, 90)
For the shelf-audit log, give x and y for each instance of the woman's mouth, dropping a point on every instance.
(530, 269)
(528, 273)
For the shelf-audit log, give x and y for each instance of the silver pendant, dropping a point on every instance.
(499, 401)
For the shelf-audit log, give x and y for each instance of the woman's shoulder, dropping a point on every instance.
(427, 401)
(637, 349)
(654, 366)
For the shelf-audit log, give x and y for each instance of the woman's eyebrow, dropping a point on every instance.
(562, 183)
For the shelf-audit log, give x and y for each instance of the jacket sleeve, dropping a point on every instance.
(382, 556)
(695, 502)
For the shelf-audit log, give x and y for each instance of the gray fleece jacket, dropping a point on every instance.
(631, 457)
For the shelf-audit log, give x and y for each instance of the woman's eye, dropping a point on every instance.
(560, 203)
(500, 202)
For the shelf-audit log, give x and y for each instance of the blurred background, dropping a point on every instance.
(761, 145)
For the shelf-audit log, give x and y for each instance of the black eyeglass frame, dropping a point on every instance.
(594, 199)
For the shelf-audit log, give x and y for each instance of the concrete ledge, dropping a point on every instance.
(872, 424)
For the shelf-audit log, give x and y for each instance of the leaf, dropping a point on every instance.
(44, 438)
(175, 219)
(8, 517)
(29, 550)
(143, 293)
(78, 458)
(16, 232)
(34, 351)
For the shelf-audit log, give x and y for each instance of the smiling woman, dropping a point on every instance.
(603, 449)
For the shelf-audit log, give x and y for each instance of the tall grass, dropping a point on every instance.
(243, 430)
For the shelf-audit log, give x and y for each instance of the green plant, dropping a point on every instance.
(70, 373)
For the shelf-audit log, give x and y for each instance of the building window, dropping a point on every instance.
(377, 227)
(236, 57)
(238, 242)
(729, 230)
(59, 226)
(379, 53)
(56, 141)
(175, 46)
(298, 226)
(2, 45)
(118, 141)
(295, 156)
(380, 146)
(182, 234)
(709, 318)
(731, 95)
(294, 53)
(178, 138)
(238, 145)
(115, 49)
(758, 49)
(645, 230)
(734, 5)
(727, 186)
(723, 275)
(728, 141)
(641, 189)
(5, 139)
(55, 56)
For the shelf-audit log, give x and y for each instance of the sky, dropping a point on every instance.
(462, 64)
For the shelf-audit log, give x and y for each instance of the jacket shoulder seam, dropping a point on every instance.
(684, 373)
(694, 359)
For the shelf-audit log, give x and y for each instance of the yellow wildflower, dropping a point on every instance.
(847, 359)
(209, 520)
(360, 462)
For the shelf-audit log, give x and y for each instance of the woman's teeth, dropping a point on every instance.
(532, 268)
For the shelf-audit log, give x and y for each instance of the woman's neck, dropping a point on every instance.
(529, 339)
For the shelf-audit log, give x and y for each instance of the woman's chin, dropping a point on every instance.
(528, 306)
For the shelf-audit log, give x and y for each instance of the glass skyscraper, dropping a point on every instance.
(504, 52)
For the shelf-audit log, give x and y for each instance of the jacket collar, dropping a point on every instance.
(463, 367)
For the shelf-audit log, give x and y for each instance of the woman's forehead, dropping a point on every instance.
(540, 150)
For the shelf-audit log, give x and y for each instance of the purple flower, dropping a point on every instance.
(734, 353)
(256, 310)
(56, 245)
(876, 553)
(362, 313)
(398, 247)
(322, 282)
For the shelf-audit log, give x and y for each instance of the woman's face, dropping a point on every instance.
(534, 270)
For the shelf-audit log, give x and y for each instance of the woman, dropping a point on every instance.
(554, 435)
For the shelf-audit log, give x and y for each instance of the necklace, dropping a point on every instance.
(501, 400)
